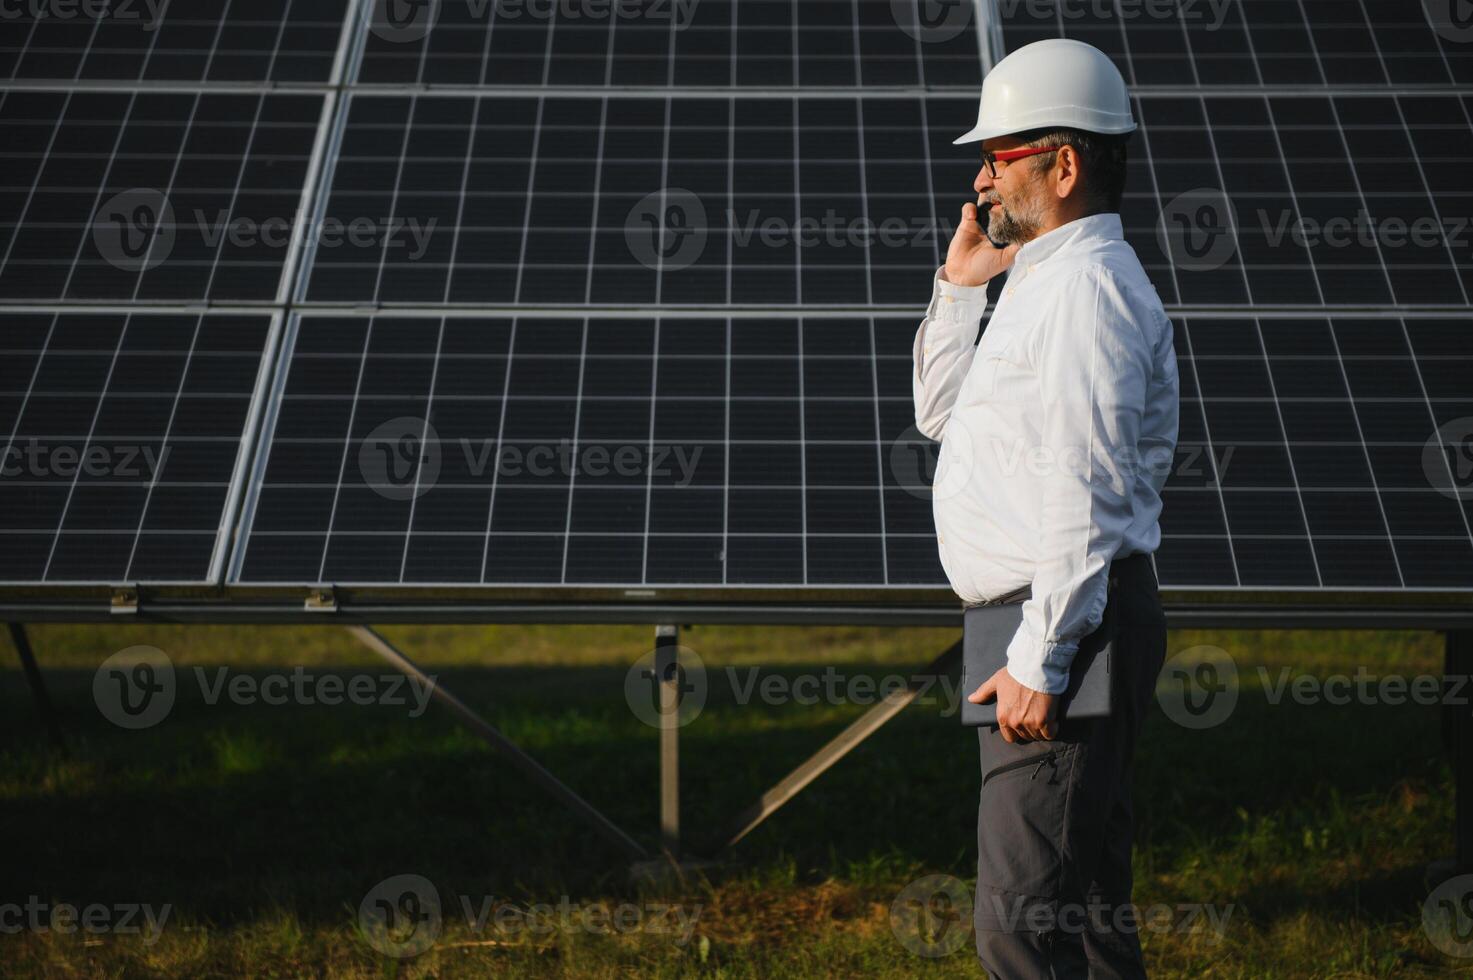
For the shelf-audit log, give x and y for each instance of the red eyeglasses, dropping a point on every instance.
(990, 158)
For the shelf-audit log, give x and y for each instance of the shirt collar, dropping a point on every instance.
(1104, 225)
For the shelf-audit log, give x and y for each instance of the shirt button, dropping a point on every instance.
(1012, 290)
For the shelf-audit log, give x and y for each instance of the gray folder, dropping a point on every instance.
(986, 633)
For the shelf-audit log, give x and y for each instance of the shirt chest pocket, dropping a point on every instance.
(994, 366)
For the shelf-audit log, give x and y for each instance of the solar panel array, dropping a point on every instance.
(622, 295)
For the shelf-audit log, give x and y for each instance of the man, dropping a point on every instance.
(1057, 433)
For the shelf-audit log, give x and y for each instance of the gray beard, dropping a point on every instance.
(1007, 228)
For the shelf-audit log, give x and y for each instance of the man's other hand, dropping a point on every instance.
(972, 259)
(1023, 714)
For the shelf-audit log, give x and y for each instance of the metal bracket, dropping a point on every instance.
(124, 601)
(321, 601)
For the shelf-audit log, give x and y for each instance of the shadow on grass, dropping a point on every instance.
(227, 811)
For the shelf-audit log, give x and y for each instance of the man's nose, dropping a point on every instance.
(983, 181)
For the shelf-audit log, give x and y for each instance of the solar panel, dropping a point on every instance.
(819, 201)
(781, 451)
(123, 436)
(681, 43)
(162, 41)
(1259, 42)
(151, 196)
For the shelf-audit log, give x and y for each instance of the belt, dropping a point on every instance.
(1019, 594)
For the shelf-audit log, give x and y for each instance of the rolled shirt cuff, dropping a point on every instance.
(958, 305)
(1040, 666)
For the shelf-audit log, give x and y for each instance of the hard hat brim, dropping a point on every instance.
(979, 133)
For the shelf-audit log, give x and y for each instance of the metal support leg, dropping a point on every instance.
(841, 745)
(1458, 727)
(37, 683)
(667, 671)
(529, 766)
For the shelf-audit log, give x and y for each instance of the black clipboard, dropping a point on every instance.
(986, 632)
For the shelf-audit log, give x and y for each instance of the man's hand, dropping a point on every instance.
(1023, 714)
(972, 259)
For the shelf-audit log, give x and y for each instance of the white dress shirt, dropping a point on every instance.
(1057, 433)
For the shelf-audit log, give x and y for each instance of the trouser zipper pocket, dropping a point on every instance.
(1049, 758)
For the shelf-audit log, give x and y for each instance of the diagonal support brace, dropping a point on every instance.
(528, 765)
(840, 746)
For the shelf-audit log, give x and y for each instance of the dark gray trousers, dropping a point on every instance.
(1054, 823)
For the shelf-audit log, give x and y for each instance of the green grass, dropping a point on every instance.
(263, 827)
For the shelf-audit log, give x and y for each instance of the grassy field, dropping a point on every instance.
(259, 829)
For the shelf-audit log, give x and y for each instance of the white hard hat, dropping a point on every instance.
(1057, 83)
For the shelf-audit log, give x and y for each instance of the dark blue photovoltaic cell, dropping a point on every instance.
(1292, 43)
(1242, 201)
(680, 43)
(151, 197)
(196, 41)
(780, 451)
(121, 433)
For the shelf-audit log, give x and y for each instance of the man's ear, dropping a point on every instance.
(1066, 171)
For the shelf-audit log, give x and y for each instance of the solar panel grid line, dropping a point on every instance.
(1370, 464)
(343, 459)
(1293, 471)
(1227, 42)
(879, 451)
(1437, 429)
(573, 476)
(424, 435)
(234, 44)
(500, 441)
(182, 454)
